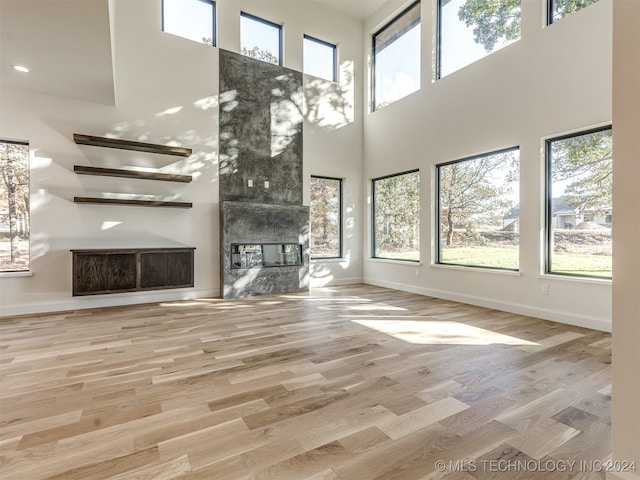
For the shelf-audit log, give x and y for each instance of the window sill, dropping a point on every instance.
(328, 260)
(514, 273)
(411, 263)
(569, 278)
(27, 273)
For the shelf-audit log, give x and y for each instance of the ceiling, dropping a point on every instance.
(75, 64)
(358, 9)
(78, 63)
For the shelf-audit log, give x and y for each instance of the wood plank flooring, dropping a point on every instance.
(348, 383)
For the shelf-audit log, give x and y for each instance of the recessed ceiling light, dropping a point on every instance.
(20, 68)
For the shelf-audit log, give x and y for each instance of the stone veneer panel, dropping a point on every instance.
(253, 223)
(260, 131)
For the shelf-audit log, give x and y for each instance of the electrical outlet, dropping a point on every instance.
(250, 183)
(417, 272)
(266, 184)
(544, 289)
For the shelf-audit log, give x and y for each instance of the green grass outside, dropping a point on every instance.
(507, 258)
(488, 257)
(576, 264)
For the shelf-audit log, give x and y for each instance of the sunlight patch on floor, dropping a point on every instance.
(424, 332)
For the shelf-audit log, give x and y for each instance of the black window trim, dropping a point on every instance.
(213, 19)
(335, 55)
(548, 216)
(373, 48)
(438, 256)
(271, 24)
(373, 215)
(27, 144)
(340, 219)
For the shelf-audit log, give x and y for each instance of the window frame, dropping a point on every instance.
(28, 185)
(340, 219)
(404, 11)
(438, 49)
(214, 12)
(438, 244)
(334, 48)
(269, 23)
(551, 20)
(373, 217)
(548, 208)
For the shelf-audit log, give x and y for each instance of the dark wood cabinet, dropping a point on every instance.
(131, 270)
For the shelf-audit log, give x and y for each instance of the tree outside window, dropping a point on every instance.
(260, 39)
(396, 216)
(472, 29)
(579, 204)
(479, 211)
(558, 9)
(14, 206)
(326, 217)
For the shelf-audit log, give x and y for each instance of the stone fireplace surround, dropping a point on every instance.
(260, 173)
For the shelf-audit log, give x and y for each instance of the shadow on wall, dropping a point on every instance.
(330, 105)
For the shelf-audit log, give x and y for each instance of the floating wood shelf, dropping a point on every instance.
(131, 202)
(81, 139)
(116, 172)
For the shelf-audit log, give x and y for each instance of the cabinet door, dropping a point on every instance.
(101, 273)
(166, 269)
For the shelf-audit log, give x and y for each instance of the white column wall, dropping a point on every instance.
(626, 254)
(554, 80)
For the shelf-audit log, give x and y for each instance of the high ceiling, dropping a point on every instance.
(358, 9)
(67, 44)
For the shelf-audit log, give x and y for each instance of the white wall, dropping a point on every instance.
(553, 80)
(626, 260)
(166, 91)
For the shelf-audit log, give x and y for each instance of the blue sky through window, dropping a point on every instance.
(319, 59)
(191, 19)
(261, 34)
(458, 47)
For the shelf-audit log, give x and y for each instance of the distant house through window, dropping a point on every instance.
(478, 211)
(260, 38)
(191, 19)
(319, 58)
(14, 206)
(396, 58)
(579, 187)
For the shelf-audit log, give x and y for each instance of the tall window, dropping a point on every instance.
(192, 19)
(319, 58)
(558, 9)
(478, 211)
(579, 186)
(260, 38)
(396, 58)
(469, 30)
(396, 216)
(326, 217)
(14, 206)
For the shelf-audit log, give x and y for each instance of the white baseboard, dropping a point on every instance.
(335, 282)
(543, 313)
(110, 300)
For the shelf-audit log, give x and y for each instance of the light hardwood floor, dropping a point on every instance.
(344, 383)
